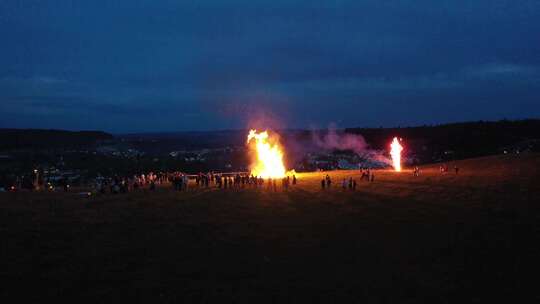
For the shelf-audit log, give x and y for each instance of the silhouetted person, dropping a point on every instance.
(328, 181)
(65, 184)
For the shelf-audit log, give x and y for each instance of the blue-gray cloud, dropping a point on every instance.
(217, 64)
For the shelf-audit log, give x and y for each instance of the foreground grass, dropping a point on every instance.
(439, 238)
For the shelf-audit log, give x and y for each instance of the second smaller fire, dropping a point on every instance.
(395, 152)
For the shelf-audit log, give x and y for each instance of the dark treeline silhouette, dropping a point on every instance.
(47, 139)
(426, 143)
(459, 140)
(163, 143)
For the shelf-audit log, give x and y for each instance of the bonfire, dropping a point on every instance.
(268, 159)
(395, 152)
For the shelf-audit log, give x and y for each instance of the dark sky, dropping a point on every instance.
(134, 65)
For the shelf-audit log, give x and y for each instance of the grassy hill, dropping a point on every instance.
(471, 237)
(49, 139)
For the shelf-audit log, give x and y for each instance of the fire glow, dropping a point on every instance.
(395, 152)
(268, 162)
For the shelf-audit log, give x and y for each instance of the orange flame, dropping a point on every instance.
(269, 156)
(395, 152)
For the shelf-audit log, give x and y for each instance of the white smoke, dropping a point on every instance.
(332, 139)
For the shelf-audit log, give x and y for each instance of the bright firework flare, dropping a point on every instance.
(269, 155)
(395, 152)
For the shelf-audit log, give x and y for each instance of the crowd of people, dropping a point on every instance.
(183, 182)
(347, 183)
(118, 184)
(367, 175)
(180, 181)
(350, 183)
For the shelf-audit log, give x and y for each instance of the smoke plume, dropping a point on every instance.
(332, 139)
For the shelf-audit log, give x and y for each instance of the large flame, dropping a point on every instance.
(269, 156)
(395, 152)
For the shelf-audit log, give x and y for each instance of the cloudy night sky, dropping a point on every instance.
(134, 65)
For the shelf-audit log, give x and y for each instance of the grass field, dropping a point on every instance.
(471, 237)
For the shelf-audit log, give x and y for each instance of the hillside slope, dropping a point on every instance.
(433, 238)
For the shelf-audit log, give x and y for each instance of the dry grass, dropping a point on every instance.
(433, 238)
